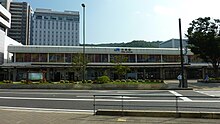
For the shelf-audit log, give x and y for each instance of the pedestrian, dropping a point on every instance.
(206, 79)
(179, 77)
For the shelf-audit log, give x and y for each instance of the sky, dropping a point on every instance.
(117, 21)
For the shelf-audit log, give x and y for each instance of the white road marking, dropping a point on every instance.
(201, 92)
(45, 110)
(210, 93)
(177, 94)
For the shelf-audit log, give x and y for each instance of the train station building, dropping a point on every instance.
(55, 62)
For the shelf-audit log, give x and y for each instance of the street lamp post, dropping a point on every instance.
(84, 6)
(183, 82)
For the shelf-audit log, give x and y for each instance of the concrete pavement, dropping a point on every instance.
(13, 116)
(172, 84)
(30, 117)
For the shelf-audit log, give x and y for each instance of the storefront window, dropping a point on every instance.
(121, 58)
(194, 59)
(148, 58)
(171, 58)
(93, 58)
(34, 57)
(104, 58)
(43, 57)
(27, 57)
(68, 57)
(130, 58)
(52, 57)
(19, 57)
(60, 57)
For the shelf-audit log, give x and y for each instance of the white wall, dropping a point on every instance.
(9, 41)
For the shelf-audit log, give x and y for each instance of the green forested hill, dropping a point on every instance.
(135, 43)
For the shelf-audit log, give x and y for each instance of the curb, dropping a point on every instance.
(173, 114)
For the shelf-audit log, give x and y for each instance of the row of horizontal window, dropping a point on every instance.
(103, 58)
(57, 18)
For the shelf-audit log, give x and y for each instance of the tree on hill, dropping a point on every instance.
(134, 43)
(204, 40)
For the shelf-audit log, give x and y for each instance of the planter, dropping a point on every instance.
(86, 86)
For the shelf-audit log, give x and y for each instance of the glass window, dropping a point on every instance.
(60, 57)
(52, 57)
(148, 58)
(27, 57)
(68, 57)
(104, 58)
(38, 17)
(171, 58)
(43, 57)
(130, 57)
(34, 57)
(19, 57)
(194, 59)
(60, 18)
(56, 57)
(118, 58)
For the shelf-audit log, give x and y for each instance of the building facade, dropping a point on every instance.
(5, 24)
(55, 62)
(5, 18)
(173, 43)
(55, 28)
(20, 22)
(6, 4)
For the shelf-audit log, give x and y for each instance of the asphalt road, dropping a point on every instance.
(82, 100)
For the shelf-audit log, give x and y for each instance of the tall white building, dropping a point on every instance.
(5, 23)
(55, 28)
(6, 3)
(5, 41)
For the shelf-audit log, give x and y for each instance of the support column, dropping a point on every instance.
(109, 58)
(48, 74)
(135, 58)
(14, 57)
(162, 74)
(204, 71)
(14, 74)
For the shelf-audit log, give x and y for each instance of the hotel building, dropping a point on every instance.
(55, 28)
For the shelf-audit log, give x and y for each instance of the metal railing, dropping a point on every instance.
(151, 102)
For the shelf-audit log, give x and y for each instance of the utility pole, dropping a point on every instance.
(84, 56)
(184, 83)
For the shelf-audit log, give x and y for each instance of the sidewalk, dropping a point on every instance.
(172, 84)
(28, 117)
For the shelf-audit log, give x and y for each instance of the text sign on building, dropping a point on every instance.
(123, 50)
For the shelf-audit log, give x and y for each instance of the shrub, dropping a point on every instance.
(117, 80)
(133, 80)
(43, 81)
(123, 80)
(147, 80)
(62, 81)
(27, 81)
(89, 81)
(71, 81)
(103, 79)
(141, 81)
(129, 80)
(7, 81)
(23, 81)
(66, 81)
